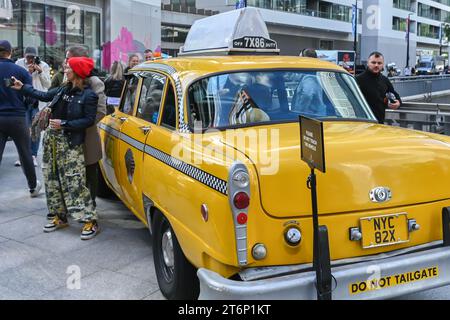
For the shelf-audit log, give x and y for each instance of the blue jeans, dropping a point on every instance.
(31, 112)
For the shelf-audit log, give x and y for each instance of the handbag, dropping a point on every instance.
(40, 122)
(43, 118)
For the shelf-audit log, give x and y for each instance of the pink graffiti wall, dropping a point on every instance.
(118, 49)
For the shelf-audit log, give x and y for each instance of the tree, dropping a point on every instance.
(447, 30)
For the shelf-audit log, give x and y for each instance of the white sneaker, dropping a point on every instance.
(34, 193)
(35, 161)
(17, 163)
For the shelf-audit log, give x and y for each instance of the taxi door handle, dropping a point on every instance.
(123, 119)
(146, 130)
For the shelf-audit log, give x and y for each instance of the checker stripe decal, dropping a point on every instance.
(189, 170)
(201, 176)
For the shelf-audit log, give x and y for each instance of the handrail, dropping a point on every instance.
(426, 112)
(421, 77)
(429, 117)
(423, 108)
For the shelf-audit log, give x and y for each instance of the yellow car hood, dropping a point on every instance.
(359, 157)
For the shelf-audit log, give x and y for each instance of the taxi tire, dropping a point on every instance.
(103, 190)
(185, 284)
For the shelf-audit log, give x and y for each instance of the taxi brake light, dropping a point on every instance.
(241, 200)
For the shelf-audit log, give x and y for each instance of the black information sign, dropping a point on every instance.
(254, 43)
(313, 153)
(311, 142)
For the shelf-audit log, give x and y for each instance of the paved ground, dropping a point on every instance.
(117, 264)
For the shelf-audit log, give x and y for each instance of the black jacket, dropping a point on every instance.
(113, 88)
(81, 111)
(12, 103)
(374, 88)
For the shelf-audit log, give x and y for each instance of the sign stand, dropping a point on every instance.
(312, 148)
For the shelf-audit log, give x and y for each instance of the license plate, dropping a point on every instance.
(380, 231)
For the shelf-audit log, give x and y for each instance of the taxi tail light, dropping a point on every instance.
(239, 200)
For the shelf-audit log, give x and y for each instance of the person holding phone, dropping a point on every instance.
(74, 109)
(12, 115)
(41, 79)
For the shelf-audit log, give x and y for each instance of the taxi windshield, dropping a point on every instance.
(251, 97)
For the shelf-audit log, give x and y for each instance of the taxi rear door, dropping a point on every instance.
(111, 127)
(134, 133)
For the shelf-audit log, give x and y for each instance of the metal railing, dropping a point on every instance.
(429, 117)
(421, 85)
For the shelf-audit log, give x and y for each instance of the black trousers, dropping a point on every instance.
(17, 129)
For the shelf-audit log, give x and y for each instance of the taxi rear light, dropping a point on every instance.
(238, 190)
(241, 200)
(242, 218)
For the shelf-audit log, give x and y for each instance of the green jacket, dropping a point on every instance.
(57, 80)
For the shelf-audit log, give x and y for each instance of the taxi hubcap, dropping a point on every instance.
(167, 249)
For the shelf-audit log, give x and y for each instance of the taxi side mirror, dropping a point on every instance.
(110, 109)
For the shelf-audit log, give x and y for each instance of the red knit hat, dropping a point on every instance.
(82, 66)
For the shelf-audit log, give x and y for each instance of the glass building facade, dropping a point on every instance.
(50, 28)
(314, 8)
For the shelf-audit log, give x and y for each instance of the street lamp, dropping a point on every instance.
(355, 28)
(408, 23)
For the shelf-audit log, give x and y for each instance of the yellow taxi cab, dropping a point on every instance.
(205, 150)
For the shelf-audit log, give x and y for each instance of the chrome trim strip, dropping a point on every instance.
(132, 142)
(111, 131)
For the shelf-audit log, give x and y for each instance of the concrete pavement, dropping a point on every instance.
(117, 264)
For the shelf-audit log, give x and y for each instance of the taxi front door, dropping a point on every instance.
(134, 133)
(110, 131)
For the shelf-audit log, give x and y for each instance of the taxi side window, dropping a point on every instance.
(151, 96)
(202, 106)
(169, 115)
(130, 96)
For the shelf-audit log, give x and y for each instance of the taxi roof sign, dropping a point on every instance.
(240, 31)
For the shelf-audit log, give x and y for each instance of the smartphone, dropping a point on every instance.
(391, 97)
(8, 82)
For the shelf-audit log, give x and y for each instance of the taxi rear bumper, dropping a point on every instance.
(380, 279)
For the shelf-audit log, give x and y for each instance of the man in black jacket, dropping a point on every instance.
(12, 115)
(377, 88)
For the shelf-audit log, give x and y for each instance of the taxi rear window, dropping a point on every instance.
(246, 98)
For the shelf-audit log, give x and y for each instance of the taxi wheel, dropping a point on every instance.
(103, 191)
(177, 277)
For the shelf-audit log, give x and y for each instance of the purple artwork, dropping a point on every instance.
(118, 49)
(50, 31)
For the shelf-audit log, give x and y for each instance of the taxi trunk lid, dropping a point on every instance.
(359, 157)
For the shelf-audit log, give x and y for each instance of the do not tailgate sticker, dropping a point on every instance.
(394, 280)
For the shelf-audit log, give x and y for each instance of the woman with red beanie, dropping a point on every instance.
(73, 109)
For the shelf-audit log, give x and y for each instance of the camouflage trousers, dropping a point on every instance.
(65, 178)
